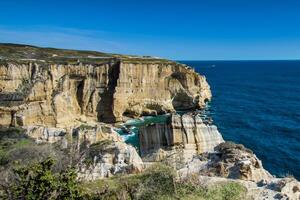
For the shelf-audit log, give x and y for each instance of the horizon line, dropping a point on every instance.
(191, 60)
(177, 60)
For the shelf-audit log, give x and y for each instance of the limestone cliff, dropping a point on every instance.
(186, 134)
(42, 86)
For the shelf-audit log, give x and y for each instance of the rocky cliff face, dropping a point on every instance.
(57, 93)
(187, 134)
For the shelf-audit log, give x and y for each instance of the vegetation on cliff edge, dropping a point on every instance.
(28, 172)
(159, 182)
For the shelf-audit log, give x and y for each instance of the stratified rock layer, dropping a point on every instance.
(187, 133)
(56, 94)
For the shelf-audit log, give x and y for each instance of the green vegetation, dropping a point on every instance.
(12, 139)
(24, 88)
(18, 150)
(86, 127)
(228, 146)
(18, 53)
(38, 181)
(159, 182)
(28, 171)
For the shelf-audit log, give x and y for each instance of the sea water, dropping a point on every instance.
(257, 103)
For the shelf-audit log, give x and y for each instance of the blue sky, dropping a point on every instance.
(186, 29)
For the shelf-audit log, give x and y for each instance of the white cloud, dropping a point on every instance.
(61, 38)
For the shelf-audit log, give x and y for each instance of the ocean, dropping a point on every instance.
(257, 103)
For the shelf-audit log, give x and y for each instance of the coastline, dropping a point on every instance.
(75, 103)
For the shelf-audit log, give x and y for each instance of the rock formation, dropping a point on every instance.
(234, 163)
(187, 133)
(108, 158)
(57, 90)
(228, 160)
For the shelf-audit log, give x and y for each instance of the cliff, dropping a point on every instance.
(43, 86)
(185, 135)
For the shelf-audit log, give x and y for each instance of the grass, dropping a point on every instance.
(12, 139)
(24, 54)
(86, 127)
(159, 182)
(18, 150)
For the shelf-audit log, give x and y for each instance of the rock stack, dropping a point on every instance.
(187, 133)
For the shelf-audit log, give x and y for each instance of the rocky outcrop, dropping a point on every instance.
(90, 134)
(108, 158)
(45, 134)
(98, 150)
(56, 94)
(187, 134)
(234, 163)
(229, 160)
(284, 189)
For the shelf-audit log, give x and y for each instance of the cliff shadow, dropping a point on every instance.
(105, 105)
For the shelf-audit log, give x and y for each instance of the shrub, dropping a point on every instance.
(226, 191)
(10, 140)
(38, 181)
(86, 127)
(158, 182)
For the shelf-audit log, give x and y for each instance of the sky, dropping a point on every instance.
(174, 29)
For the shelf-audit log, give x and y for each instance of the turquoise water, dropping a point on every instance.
(130, 129)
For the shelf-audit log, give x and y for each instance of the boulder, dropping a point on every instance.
(107, 158)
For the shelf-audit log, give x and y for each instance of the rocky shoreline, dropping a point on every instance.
(74, 102)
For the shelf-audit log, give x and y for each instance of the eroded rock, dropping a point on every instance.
(107, 158)
(229, 160)
(57, 94)
(185, 135)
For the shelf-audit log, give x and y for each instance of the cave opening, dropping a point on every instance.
(105, 107)
(79, 93)
(206, 100)
(182, 101)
